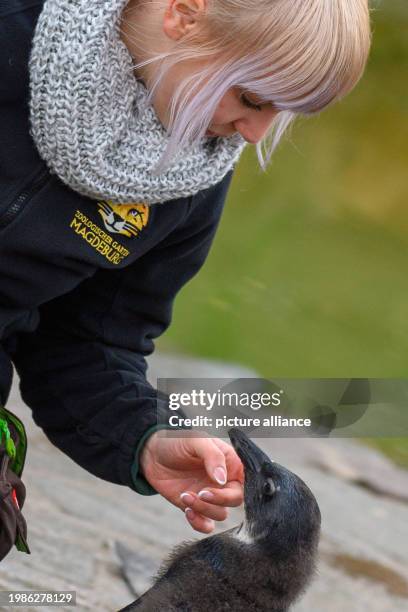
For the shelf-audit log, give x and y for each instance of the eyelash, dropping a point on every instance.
(249, 104)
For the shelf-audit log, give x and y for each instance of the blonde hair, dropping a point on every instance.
(300, 55)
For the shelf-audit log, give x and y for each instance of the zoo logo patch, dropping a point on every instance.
(125, 219)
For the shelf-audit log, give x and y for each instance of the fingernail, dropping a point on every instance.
(220, 475)
(189, 513)
(187, 498)
(206, 495)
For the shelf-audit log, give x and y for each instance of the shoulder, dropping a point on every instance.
(14, 7)
(18, 19)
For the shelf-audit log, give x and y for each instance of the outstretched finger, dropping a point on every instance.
(212, 456)
(232, 495)
(198, 522)
(207, 510)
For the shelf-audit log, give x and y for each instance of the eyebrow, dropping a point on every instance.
(253, 99)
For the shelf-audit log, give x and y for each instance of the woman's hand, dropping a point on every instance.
(201, 476)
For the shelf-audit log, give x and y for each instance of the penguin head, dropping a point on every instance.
(281, 511)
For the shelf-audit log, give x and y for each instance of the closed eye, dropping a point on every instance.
(249, 104)
(258, 107)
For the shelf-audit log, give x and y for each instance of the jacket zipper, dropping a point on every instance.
(24, 196)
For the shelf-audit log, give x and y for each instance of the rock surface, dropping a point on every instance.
(104, 541)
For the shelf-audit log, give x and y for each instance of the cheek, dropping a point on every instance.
(225, 109)
(218, 116)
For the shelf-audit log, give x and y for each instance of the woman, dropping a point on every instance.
(121, 126)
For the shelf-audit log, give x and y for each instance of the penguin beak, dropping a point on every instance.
(251, 456)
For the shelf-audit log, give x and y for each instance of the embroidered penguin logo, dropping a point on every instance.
(126, 219)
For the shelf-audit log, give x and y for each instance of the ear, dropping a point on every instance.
(181, 16)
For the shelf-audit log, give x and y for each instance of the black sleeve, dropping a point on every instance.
(83, 370)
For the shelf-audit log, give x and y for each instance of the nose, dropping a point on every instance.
(255, 125)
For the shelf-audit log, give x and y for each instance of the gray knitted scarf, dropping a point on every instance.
(86, 117)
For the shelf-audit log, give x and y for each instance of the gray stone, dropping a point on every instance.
(138, 568)
(179, 366)
(74, 538)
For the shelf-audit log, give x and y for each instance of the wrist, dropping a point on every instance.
(147, 452)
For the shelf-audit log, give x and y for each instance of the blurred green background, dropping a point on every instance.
(308, 274)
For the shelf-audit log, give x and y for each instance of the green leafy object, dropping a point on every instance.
(10, 448)
(8, 417)
(21, 545)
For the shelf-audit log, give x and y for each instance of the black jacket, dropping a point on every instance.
(80, 305)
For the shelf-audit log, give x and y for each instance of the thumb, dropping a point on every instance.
(213, 459)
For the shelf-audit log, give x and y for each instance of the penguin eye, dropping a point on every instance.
(269, 487)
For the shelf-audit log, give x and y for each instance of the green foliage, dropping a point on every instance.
(395, 448)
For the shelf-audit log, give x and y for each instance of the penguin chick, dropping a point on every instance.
(263, 565)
